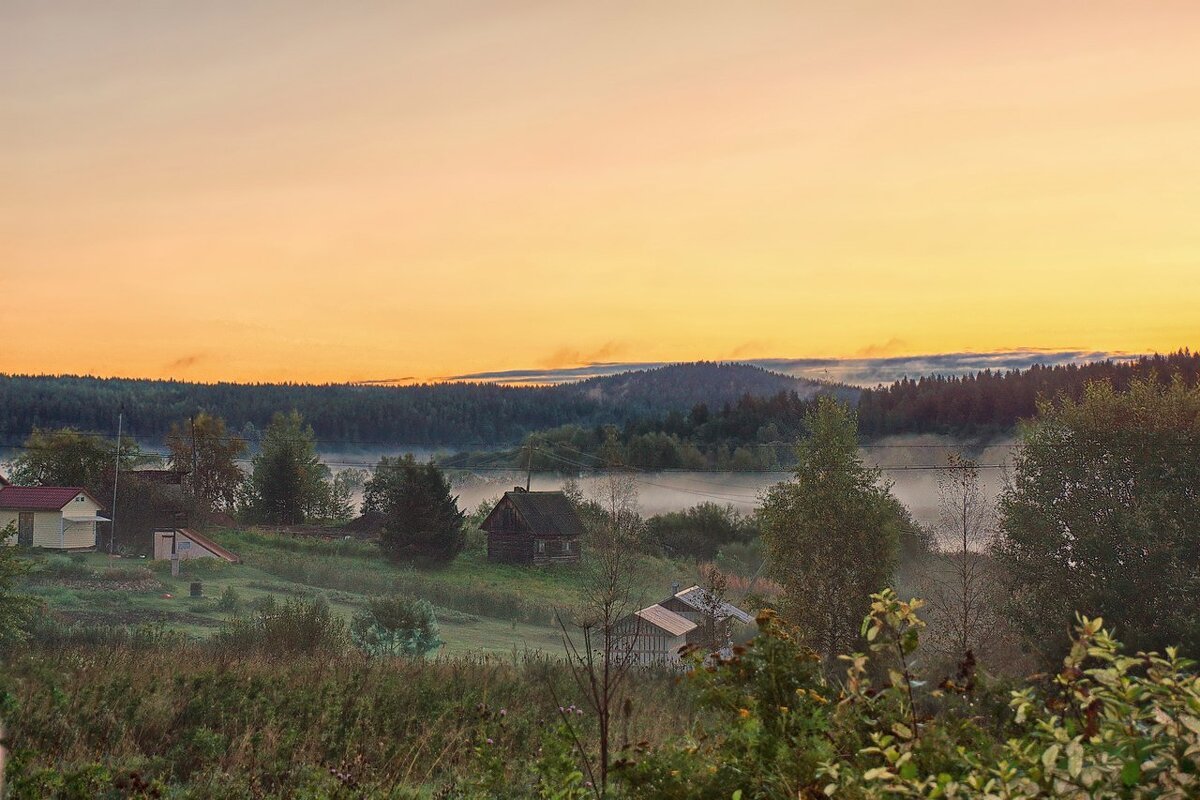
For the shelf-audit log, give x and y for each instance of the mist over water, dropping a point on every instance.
(912, 463)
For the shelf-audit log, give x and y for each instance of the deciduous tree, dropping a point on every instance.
(67, 457)
(205, 449)
(831, 531)
(1103, 516)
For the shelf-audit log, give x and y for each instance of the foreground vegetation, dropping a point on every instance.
(154, 715)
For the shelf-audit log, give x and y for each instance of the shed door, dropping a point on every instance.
(25, 529)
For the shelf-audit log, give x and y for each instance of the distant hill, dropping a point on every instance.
(680, 387)
(447, 414)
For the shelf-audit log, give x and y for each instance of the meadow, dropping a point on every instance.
(480, 607)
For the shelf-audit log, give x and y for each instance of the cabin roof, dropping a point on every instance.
(544, 512)
(666, 620)
(40, 498)
(697, 597)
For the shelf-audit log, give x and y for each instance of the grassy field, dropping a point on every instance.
(481, 607)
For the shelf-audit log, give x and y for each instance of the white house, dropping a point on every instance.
(53, 517)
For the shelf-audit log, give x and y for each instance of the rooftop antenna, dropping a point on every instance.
(112, 530)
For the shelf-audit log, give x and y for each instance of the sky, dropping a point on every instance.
(372, 191)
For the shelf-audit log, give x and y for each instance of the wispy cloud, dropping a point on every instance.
(184, 362)
(859, 371)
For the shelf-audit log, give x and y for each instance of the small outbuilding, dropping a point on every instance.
(185, 543)
(658, 634)
(52, 517)
(533, 528)
(652, 636)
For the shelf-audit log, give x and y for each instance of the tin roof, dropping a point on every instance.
(40, 498)
(666, 620)
(697, 598)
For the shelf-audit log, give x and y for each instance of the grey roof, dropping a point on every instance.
(666, 620)
(546, 512)
(696, 597)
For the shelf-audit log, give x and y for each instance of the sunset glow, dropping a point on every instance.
(310, 192)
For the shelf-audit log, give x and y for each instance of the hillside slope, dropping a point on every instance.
(447, 414)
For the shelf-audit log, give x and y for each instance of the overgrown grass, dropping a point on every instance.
(469, 584)
(202, 724)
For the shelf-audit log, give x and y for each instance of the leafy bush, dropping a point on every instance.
(700, 531)
(396, 626)
(299, 625)
(231, 601)
(1108, 725)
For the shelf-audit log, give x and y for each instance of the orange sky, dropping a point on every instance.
(349, 191)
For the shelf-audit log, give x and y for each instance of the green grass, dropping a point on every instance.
(480, 606)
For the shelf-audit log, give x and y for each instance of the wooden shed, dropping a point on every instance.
(652, 636)
(185, 544)
(533, 528)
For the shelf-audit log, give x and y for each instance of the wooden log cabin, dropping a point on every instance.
(533, 528)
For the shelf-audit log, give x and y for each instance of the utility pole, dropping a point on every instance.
(529, 464)
(112, 531)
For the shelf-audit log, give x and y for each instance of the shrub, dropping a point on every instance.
(230, 602)
(299, 625)
(396, 626)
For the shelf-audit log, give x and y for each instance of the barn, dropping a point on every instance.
(533, 528)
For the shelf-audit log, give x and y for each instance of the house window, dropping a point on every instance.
(541, 545)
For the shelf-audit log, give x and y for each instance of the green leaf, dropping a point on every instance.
(902, 730)
(1131, 773)
(909, 771)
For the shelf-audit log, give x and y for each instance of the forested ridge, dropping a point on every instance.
(988, 402)
(668, 416)
(428, 414)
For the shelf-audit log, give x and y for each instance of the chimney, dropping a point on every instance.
(520, 489)
(674, 588)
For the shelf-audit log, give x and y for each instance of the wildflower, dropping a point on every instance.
(490, 741)
(504, 712)
(743, 713)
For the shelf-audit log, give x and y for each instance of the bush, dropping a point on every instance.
(230, 602)
(1109, 725)
(396, 626)
(299, 625)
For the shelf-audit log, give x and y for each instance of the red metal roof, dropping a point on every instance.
(210, 545)
(40, 498)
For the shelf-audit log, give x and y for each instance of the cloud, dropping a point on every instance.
(890, 347)
(554, 376)
(186, 362)
(747, 348)
(385, 381)
(566, 357)
(864, 371)
(886, 369)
